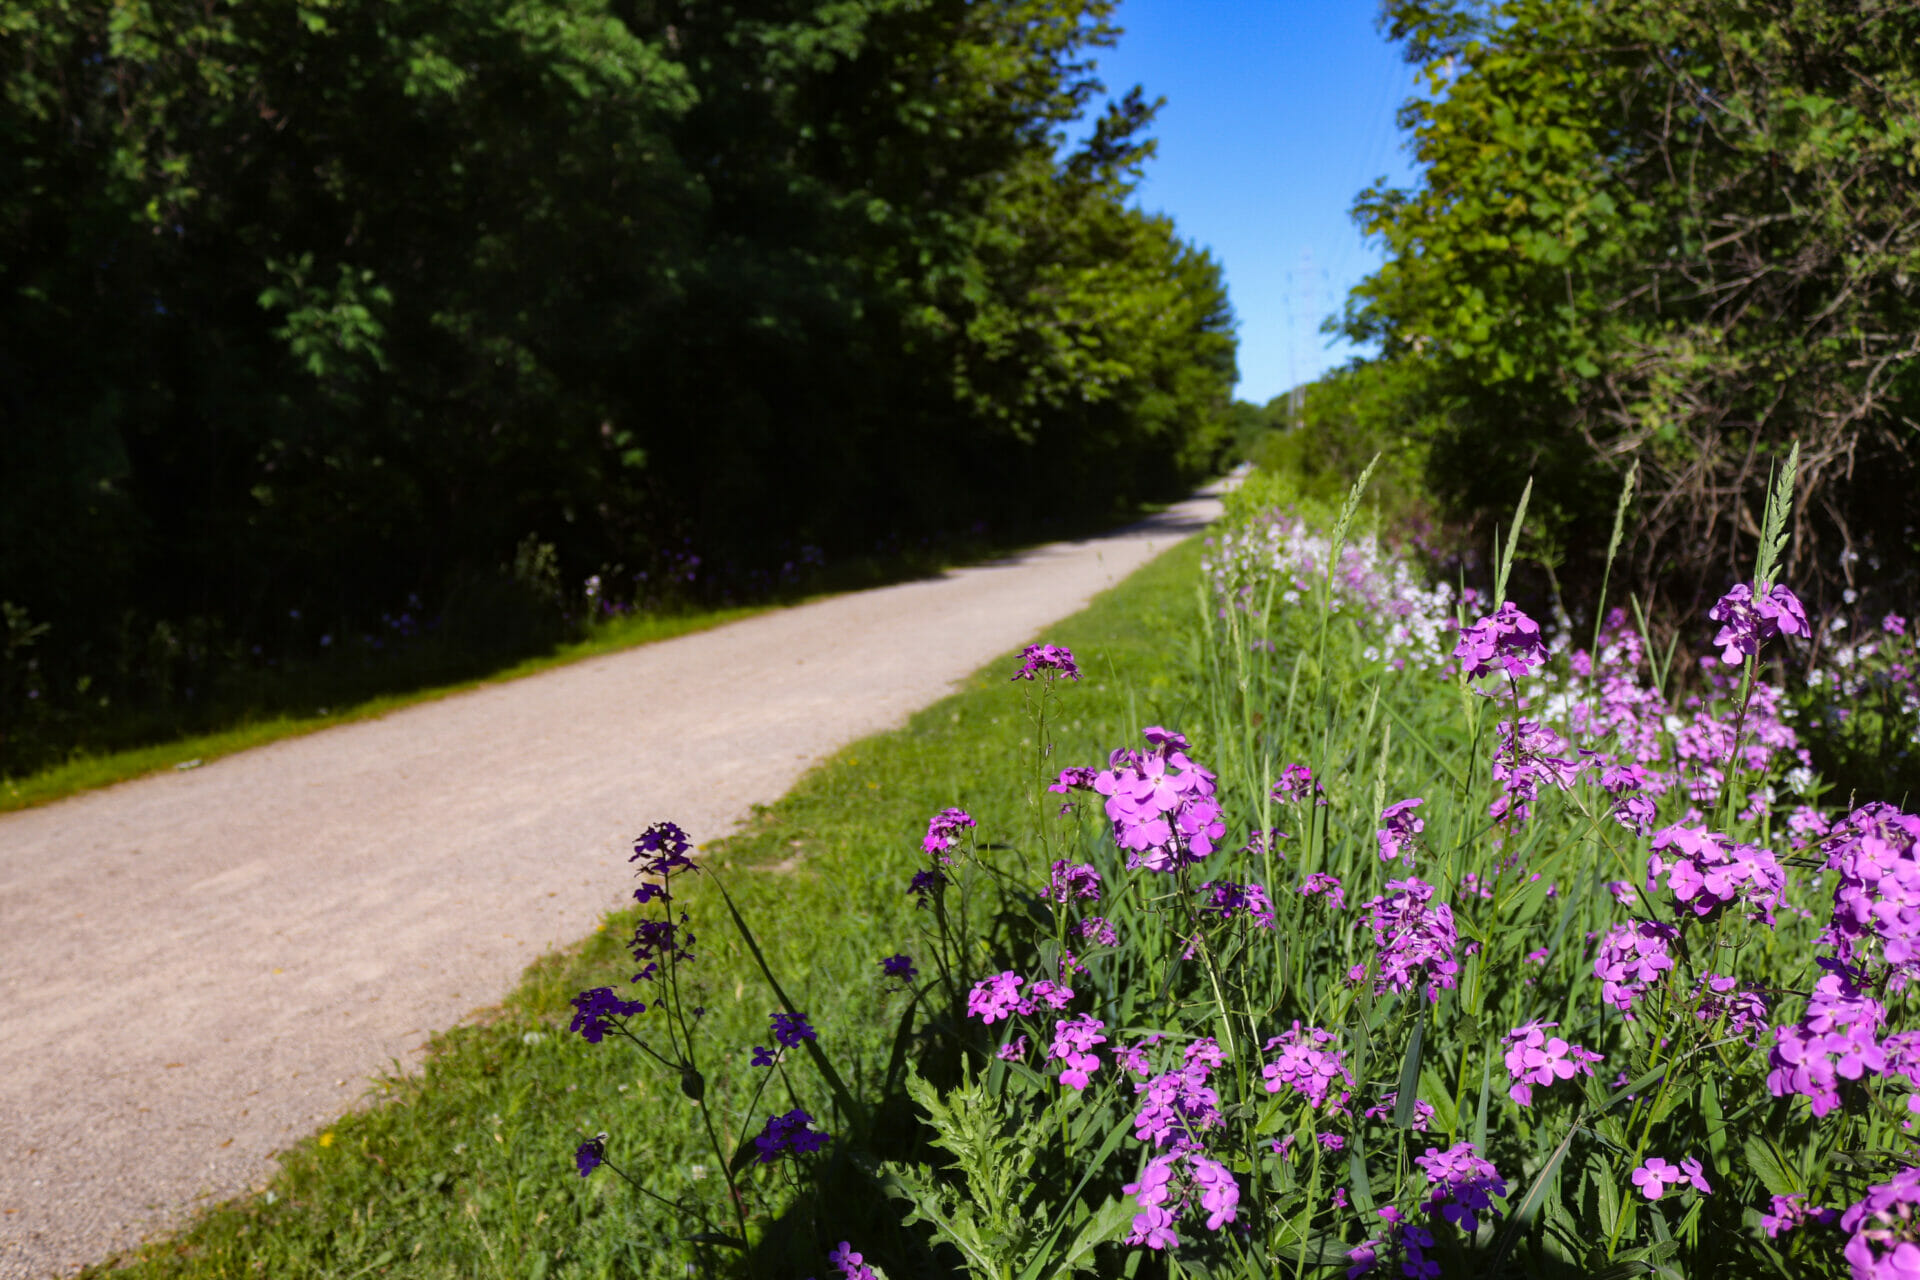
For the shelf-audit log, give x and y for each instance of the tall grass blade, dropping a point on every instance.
(1513, 544)
(1519, 1215)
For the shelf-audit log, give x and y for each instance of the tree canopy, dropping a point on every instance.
(1678, 232)
(317, 306)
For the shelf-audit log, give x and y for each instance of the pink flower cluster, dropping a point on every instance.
(1162, 1197)
(1070, 880)
(943, 830)
(1179, 1105)
(1835, 1041)
(1305, 1066)
(1161, 804)
(1296, 784)
(1535, 1058)
(1884, 1230)
(1528, 754)
(1876, 904)
(1463, 1185)
(1074, 1041)
(1709, 871)
(1415, 937)
(1656, 1175)
(992, 999)
(1230, 900)
(1632, 957)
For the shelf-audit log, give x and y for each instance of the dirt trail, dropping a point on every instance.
(199, 968)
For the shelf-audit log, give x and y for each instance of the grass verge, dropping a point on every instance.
(466, 1168)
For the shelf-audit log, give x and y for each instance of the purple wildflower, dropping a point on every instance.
(791, 1132)
(992, 999)
(943, 830)
(1231, 900)
(1178, 1105)
(850, 1265)
(1534, 1058)
(1415, 937)
(1747, 623)
(1656, 1175)
(1078, 778)
(1304, 1065)
(765, 1057)
(1835, 1041)
(1790, 1213)
(900, 966)
(927, 885)
(1326, 888)
(1708, 871)
(1296, 784)
(1052, 660)
(1507, 639)
(1100, 930)
(1884, 1229)
(1398, 827)
(1718, 996)
(665, 846)
(590, 1155)
(791, 1028)
(593, 1007)
(1384, 1109)
(1631, 959)
(1161, 804)
(1073, 880)
(1463, 1185)
(1013, 1050)
(1074, 1040)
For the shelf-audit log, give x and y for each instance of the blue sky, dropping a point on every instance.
(1278, 113)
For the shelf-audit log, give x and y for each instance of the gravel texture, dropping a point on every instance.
(202, 967)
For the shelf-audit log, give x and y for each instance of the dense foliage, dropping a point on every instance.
(331, 319)
(1677, 232)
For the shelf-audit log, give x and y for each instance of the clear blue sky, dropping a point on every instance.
(1278, 113)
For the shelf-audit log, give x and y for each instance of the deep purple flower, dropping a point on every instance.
(791, 1028)
(943, 830)
(665, 846)
(1398, 827)
(1506, 638)
(792, 1132)
(926, 885)
(1052, 660)
(1389, 1101)
(590, 1155)
(1230, 900)
(592, 1008)
(765, 1057)
(1719, 996)
(1790, 1213)
(1013, 1050)
(657, 940)
(900, 966)
(850, 1265)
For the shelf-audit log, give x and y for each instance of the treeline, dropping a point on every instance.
(1678, 233)
(319, 312)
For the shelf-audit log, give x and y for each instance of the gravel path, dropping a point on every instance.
(202, 967)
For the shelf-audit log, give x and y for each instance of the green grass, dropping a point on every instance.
(466, 1168)
(88, 770)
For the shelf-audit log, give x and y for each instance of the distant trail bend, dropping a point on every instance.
(199, 968)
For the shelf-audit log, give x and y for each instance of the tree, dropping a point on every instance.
(1682, 232)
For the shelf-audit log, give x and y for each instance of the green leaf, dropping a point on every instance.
(1410, 1075)
(1764, 1158)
